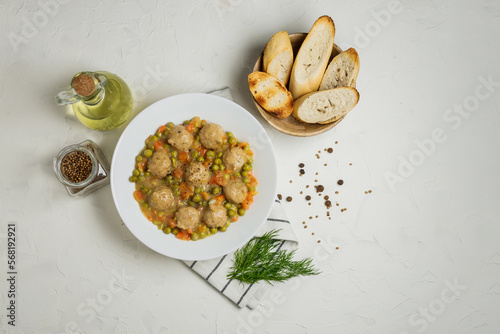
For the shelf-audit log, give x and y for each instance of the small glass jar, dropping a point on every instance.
(98, 176)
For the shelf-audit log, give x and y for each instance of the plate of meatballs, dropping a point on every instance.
(194, 176)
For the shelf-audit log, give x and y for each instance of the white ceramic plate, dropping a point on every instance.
(177, 109)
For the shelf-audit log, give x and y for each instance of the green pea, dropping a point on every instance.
(247, 167)
(175, 230)
(174, 186)
(251, 188)
(135, 172)
(197, 190)
(219, 154)
(161, 214)
(229, 134)
(247, 147)
(170, 178)
(145, 205)
(170, 125)
(204, 203)
(223, 228)
(167, 230)
(138, 158)
(215, 190)
(233, 207)
(191, 203)
(141, 178)
(133, 179)
(196, 154)
(196, 138)
(166, 146)
(186, 122)
(154, 138)
(174, 162)
(222, 167)
(197, 198)
(227, 205)
(237, 174)
(200, 159)
(151, 147)
(166, 132)
(195, 236)
(176, 180)
(147, 174)
(149, 192)
(227, 176)
(148, 153)
(210, 154)
(173, 154)
(217, 161)
(244, 173)
(250, 160)
(246, 179)
(232, 140)
(215, 168)
(231, 213)
(213, 230)
(241, 212)
(177, 193)
(203, 235)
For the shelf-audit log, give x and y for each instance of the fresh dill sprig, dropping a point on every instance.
(261, 259)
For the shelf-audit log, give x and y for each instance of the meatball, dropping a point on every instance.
(162, 198)
(159, 165)
(235, 191)
(188, 217)
(197, 175)
(215, 215)
(234, 158)
(180, 138)
(212, 136)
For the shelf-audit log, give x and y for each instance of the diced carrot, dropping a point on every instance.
(242, 145)
(234, 219)
(171, 223)
(139, 196)
(220, 198)
(247, 202)
(183, 156)
(205, 195)
(161, 128)
(158, 144)
(183, 186)
(189, 231)
(190, 127)
(202, 228)
(253, 181)
(220, 180)
(203, 151)
(249, 152)
(184, 194)
(178, 173)
(183, 235)
(140, 166)
(253, 192)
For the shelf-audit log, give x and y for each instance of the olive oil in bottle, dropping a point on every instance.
(100, 100)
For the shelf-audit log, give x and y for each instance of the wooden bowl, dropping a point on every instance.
(290, 125)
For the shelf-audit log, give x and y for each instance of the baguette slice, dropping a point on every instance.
(278, 57)
(271, 94)
(342, 71)
(325, 106)
(312, 58)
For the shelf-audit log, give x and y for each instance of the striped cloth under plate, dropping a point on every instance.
(214, 271)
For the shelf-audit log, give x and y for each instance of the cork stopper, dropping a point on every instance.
(84, 85)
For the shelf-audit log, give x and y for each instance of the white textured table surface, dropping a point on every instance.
(420, 254)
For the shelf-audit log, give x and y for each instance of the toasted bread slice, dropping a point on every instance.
(342, 71)
(278, 57)
(325, 106)
(312, 58)
(271, 94)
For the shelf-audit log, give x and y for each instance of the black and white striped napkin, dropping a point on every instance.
(214, 271)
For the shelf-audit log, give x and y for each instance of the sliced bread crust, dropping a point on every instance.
(342, 71)
(325, 106)
(270, 94)
(278, 57)
(312, 58)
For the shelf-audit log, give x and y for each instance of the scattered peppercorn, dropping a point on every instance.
(328, 204)
(280, 197)
(76, 166)
(327, 197)
(301, 165)
(289, 199)
(308, 198)
(340, 182)
(319, 188)
(302, 171)
(330, 150)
